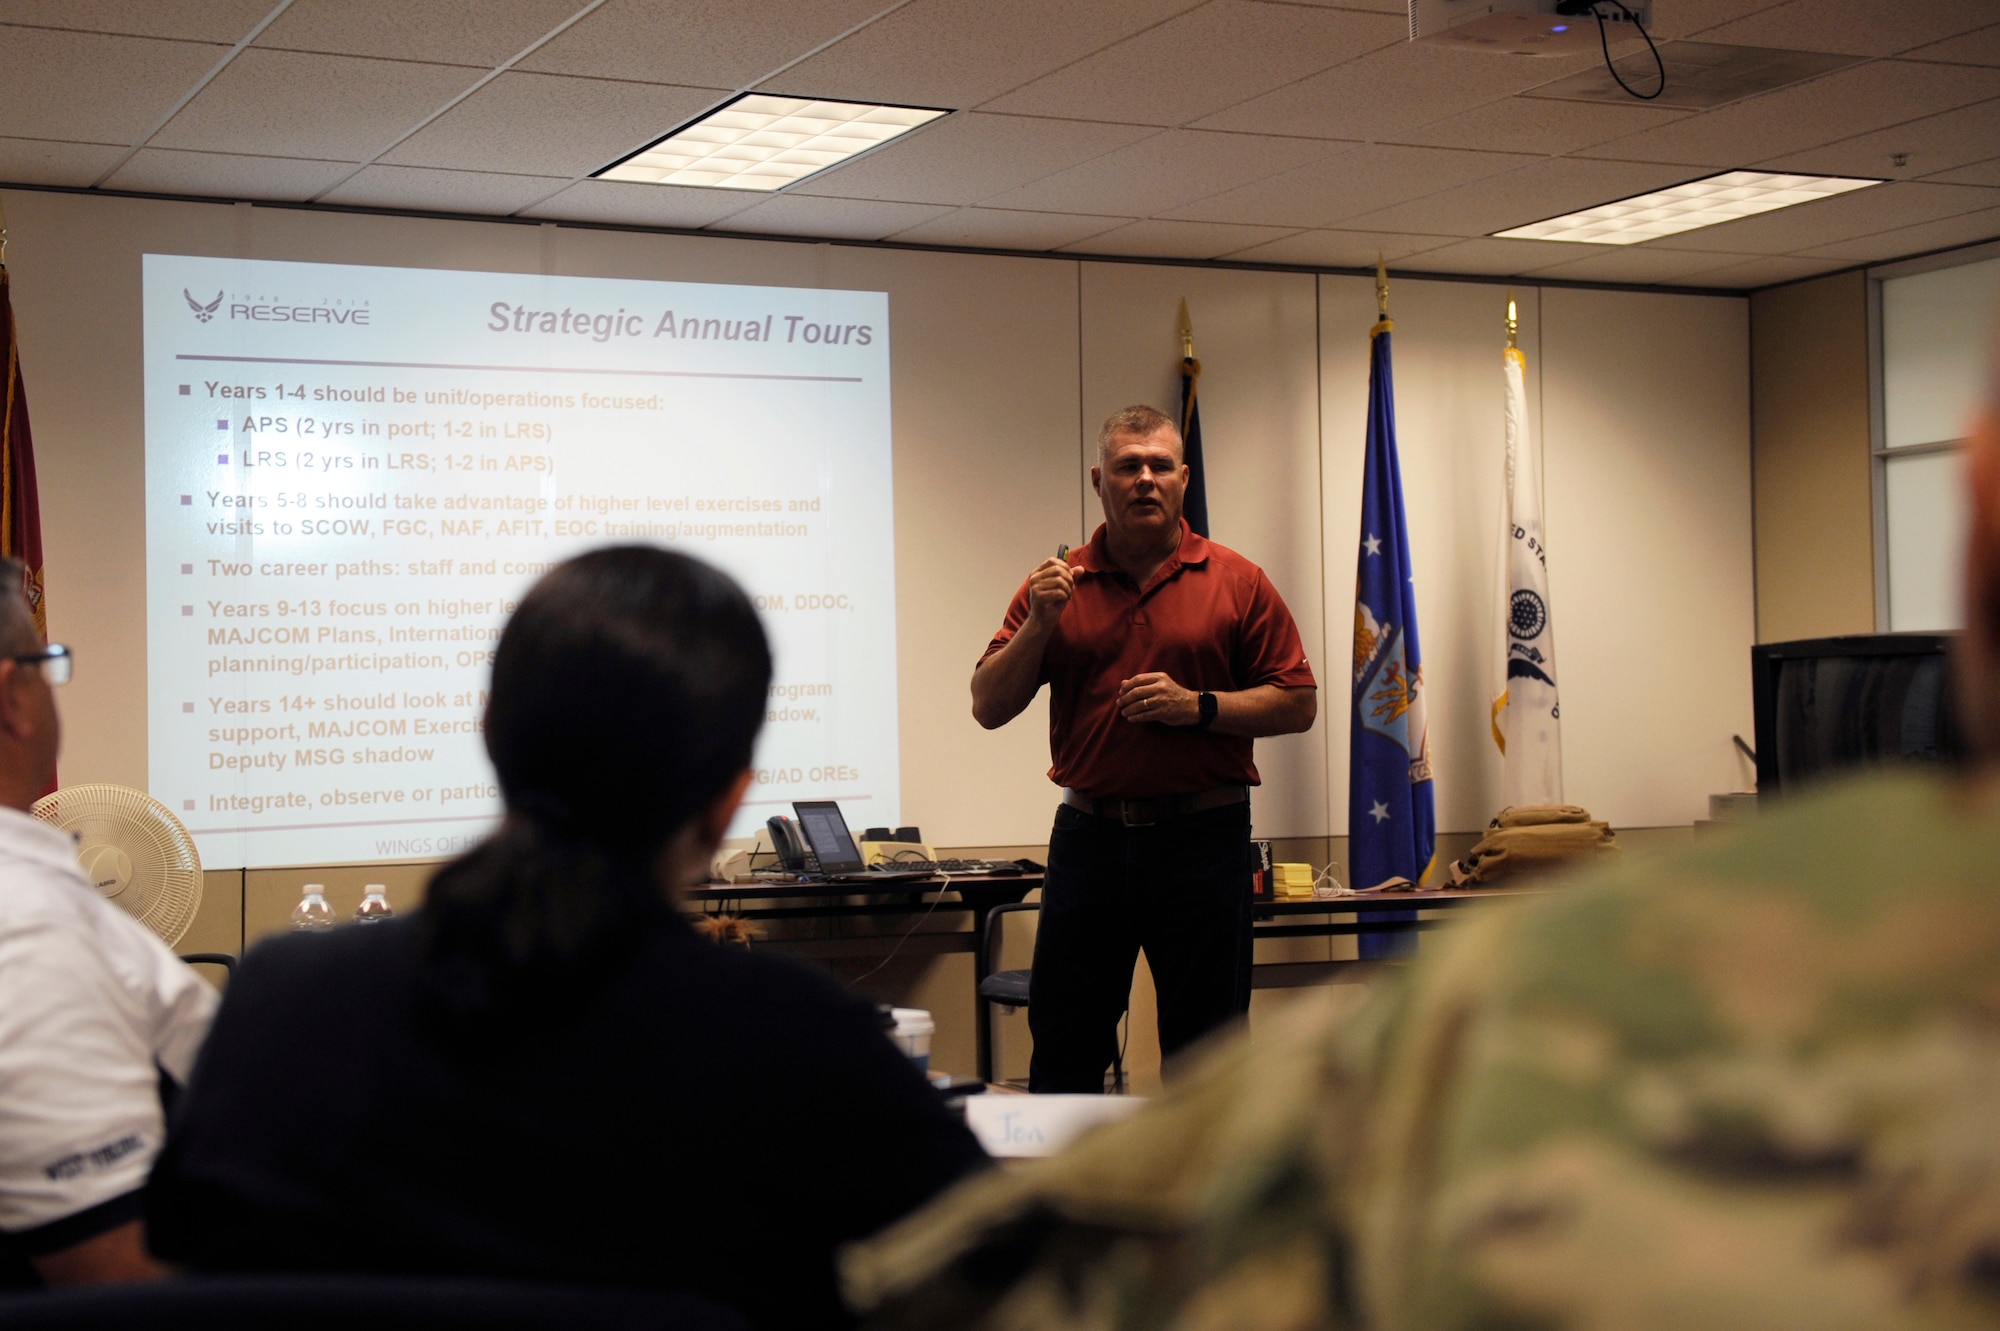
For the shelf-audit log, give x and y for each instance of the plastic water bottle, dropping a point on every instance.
(374, 907)
(312, 912)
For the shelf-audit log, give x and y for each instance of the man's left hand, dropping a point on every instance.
(1154, 697)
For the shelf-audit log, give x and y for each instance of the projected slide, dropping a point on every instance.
(353, 474)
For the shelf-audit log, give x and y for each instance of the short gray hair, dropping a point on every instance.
(1143, 421)
(18, 634)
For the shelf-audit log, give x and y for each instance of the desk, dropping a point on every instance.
(977, 896)
(1270, 922)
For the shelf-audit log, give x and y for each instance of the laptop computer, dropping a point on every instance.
(833, 846)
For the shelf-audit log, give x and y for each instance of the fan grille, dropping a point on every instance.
(163, 889)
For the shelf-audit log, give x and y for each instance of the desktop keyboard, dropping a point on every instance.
(952, 868)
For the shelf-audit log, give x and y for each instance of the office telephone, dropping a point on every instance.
(788, 844)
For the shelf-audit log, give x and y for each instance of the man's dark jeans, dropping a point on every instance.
(1179, 889)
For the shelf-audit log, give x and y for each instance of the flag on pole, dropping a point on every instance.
(1527, 720)
(1194, 504)
(1391, 814)
(20, 501)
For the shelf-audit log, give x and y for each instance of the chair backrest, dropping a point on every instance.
(996, 932)
(372, 1303)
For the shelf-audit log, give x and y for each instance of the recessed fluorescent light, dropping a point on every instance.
(761, 142)
(1698, 203)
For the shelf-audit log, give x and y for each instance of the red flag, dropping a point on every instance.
(20, 501)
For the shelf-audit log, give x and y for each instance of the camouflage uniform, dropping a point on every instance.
(1755, 1085)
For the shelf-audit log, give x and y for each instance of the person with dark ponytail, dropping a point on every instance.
(544, 1073)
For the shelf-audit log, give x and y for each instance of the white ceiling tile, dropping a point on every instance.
(1536, 124)
(89, 89)
(1935, 143)
(1973, 48)
(963, 53)
(1340, 249)
(1163, 172)
(1360, 180)
(224, 21)
(47, 162)
(1979, 173)
(1685, 18)
(1386, 94)
(630, 204)
(1636, 263)
(1964, 229)
(431, 190)
(225, 175)
(1399, 7)
(445, 32)
(1548, 188)
(546, 125)
(1855, 27)
(971, 156)
(1847, 102)
(1484, 257)
(1765, 272)
(283, 104)
(837, 219)
(1176, 240)
(1826, 221)
(704, 43)
(1007, 229)
(1223, 53)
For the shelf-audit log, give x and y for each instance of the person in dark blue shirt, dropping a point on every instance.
(545, 1073)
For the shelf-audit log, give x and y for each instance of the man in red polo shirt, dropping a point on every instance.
(1165, 655)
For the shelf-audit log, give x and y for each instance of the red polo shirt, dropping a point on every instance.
(1209, 618)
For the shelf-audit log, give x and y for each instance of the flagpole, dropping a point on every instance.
(1513, 323)
(1195, 502)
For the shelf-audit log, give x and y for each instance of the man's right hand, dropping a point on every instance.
(1049, 588)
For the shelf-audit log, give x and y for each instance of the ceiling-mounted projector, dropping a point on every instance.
(1524, 27)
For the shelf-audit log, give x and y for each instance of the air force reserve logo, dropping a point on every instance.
(202, 313)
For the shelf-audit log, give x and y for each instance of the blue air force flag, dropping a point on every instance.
(1391, 816)
(1527, 722)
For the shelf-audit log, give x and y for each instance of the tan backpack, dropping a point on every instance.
(1527, 840)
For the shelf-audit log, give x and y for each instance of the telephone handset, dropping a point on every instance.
(787, 843)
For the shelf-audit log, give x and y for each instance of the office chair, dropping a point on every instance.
(1008, 990)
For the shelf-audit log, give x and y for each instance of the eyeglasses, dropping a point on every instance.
(55, 660)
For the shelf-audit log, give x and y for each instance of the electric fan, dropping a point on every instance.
(134, 849)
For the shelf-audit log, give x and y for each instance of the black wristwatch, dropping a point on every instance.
(1209, 707)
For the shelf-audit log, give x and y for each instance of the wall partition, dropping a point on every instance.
(1933, 326)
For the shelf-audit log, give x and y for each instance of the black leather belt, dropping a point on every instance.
(1144, 813)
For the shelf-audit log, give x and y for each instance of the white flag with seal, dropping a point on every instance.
(1527, 719)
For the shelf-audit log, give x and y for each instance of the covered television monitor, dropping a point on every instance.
(1831, 705)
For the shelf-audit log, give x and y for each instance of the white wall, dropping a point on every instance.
(1646, 404)
(1002, 368)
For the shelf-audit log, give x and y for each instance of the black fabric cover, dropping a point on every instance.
(704, 1119)
(342, 1303)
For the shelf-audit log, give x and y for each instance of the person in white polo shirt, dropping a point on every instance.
(94, 1012)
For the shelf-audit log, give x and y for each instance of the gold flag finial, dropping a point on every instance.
(1381, 287)
(1187, 332)
(1513, 319)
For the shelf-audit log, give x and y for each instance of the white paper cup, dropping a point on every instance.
(912, 1035)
